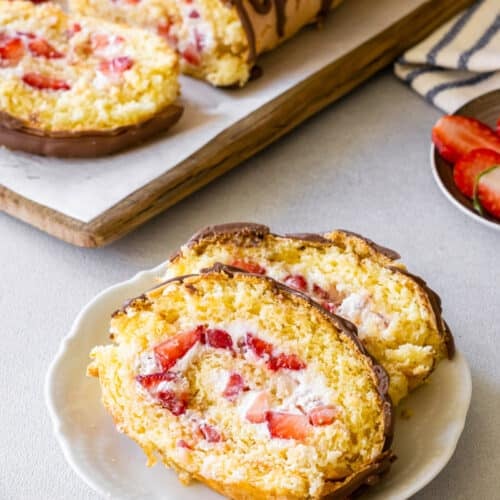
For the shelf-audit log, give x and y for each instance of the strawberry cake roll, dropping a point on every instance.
(397, 315)
(248, 386)
(218, 41)
(80, 86)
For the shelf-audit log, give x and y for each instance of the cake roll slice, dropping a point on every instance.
(76, 86)
(218, 41)
(248, 386)
(397, 315)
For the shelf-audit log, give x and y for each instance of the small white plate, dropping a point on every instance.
(114, 466)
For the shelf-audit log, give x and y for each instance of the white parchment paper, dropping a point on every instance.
(84, 189)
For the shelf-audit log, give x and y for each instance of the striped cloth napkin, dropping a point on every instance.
(459, 61)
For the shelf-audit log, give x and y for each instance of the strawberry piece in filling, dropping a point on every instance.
(191, 54)
(287, 425)
(260, 347)
(167, 353)
(235, 385)
(296, 281)
(219, 339)
(170, 389)
(73, 29)
(210, 433)
(323, 415)
(43, 82)
(286, 361)
(251, 267)
(275, 361)
(11, 51)
(184, 444)
(257, 412)
(174, 402)
(164, 30)
(116, 66)
(39, 47)
(152, 380)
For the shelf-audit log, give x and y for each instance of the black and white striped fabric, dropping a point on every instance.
(459, 61)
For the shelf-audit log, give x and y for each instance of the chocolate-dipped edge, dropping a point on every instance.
(249, 229)
(231, 228)
(343, 325)
(15, 135)
(387, 252)
(435, 302)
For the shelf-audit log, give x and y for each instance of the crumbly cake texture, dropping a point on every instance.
(217, 41)
(75, 74)
(398, 317)
(248, 386)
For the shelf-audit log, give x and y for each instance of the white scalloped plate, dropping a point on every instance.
(115, 467)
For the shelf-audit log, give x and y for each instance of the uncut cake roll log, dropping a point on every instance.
(397, 315)
(218, 41)
(81, 87)
(247, 385)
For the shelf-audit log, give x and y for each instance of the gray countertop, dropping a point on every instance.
(362, 164)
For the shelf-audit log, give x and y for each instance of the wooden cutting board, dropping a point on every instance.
(243, 139)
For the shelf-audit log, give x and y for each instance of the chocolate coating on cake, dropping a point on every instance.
(389, 253)
(232, 228)
(435, 302)
(14, 134)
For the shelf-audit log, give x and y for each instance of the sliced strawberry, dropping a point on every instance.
(455, 136)
(296, 281)
(11, 51)
(219, 339)
(168, 352)
(498, 127)
(39, 47)
(194, 14)
(43, 82)
(320, 292)
(116, 66)
(487, 191)
(323, 415)
(470, 166)
(164, 29)
(286, 361)
(184, 444)
(234, 386)
(258, 411)
(331, 307)
(251, 267)
(287, 425)
(152, 380)
(191, 54)
(174, 402)
(260, 347)
(132, 2)
(73, 29)
(210, 433)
